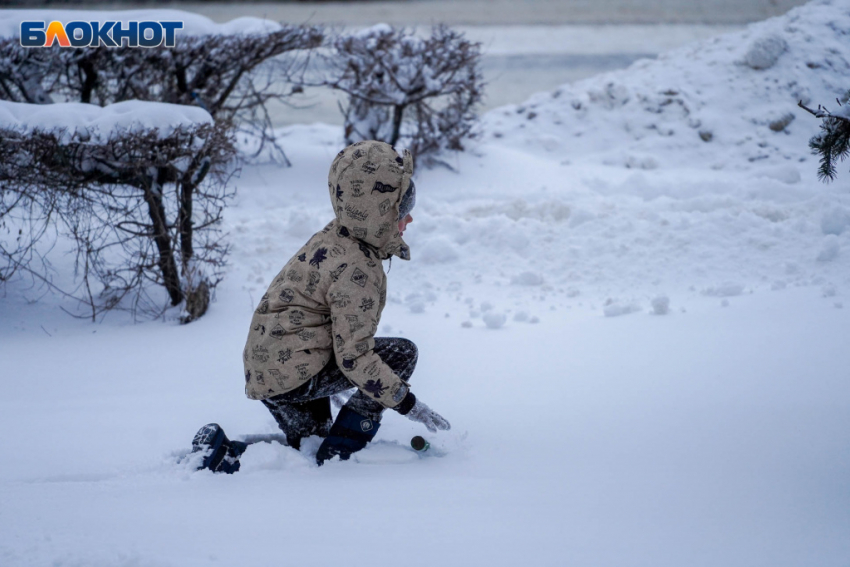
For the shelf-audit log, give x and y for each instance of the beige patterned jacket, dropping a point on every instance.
(327, 300)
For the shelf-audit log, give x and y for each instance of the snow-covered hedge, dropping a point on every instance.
(137, 187)
(231, 70)
(420, 93)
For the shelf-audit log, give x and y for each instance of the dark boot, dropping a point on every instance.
(222, 454)
(349, 433)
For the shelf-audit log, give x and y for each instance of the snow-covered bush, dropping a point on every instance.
(419, 93)
(232, 76)
(137, 188)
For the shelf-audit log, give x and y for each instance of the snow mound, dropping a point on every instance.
(722, 103)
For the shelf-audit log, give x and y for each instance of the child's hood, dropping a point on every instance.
(366, 182)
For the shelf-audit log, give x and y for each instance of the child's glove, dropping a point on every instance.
(427, 417)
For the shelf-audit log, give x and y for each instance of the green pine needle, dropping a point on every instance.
(832, 144)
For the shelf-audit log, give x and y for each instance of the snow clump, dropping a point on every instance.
(661, 305)
(765, 51)
(835, 221)
(527, 278)
(829, 250)
(614, 308)
(728, 289)
(439, 250)
(494, 320)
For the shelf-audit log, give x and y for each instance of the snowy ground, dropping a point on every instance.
(715, 434)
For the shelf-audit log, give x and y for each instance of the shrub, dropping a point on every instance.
(141, 206)
(420, 93)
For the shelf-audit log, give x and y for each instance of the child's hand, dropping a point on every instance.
(427, 417)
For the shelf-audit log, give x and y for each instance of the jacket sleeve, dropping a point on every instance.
(355, 304)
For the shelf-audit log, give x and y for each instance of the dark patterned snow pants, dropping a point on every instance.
(306, 410)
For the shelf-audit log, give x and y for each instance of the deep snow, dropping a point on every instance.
(639, 338)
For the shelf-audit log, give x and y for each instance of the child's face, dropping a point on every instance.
(402, 224)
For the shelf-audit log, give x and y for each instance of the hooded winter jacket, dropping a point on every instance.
(327, 300)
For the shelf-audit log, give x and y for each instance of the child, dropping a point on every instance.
(313, 334)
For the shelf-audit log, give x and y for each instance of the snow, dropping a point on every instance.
(494, 320)
(193, 24)
(615, 308)
(835, 221)
(764, 52)
(830, 247)
(655, 113)
(726, 289)
(714, 435)
(660, 305)
(842, 112)
(96, 123)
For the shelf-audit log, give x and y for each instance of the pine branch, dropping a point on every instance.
(821, 112)
(833, 142)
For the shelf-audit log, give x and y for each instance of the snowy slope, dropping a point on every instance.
(714, 434)
(721, 104)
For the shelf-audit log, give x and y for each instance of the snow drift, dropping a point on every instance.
(725, 103)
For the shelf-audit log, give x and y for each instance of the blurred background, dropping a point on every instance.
(528, 45)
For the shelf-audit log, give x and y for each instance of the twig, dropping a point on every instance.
(821, 112)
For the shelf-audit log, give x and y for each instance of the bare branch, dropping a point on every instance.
(112, 200)
(419, 92)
